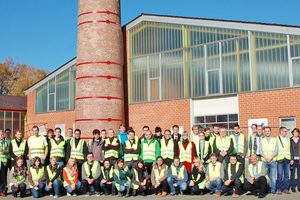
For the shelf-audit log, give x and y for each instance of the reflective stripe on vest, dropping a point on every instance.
(258, 167)
(223, 146)
(149, 150)
(37, 149)
(180, 173)
(111, 173)
(36, 176)
(77, 152)
(214, 172)
(200, 185)
(167, 151)
(57, 150)
(284, 152)
(268, 148)
(3, 156)
(237, 165)
(52, 175)
(238, 149)
(130, 156)
(18, 150)
(185, 154)
(158, 175)
(94, 168)
(17, 179)
(111, 152)
(206, 147)
(135, 186)
(71, 178)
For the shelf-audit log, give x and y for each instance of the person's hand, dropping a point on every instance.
(49, 185)
(153, 164)
(104, 181)
(106, 145)
(175, 185)
(243, 156)
(142, 184)
(213, 178)
(227, 182)
(202, 161)
(108, 183)
(1, 150)
(207, 183)
(73, 186)
(36, 184)
(117, 144)
(156, 185)
(252, 180)
(292, 162)
(43, 158)
(36, 188)
(125, 185)
(16, 185)
(123, 172)
(192, 183)
(179, 178)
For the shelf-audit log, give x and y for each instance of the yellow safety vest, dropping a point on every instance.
(18, 150)
(196, 142)
(149, 150)
(57, 150)
(36, 176)
(214, 172)
(94, 168)
(111, 172)
(18, 178)
(3, 156)
(77, 152)
(259, 167)
(135, 186)
(167, 151)
(116, 171)
(71, 178)
(158, 175)
(284, 152)
(174, 171)
(268, 148)
(111, 152)
(52, 175)
(223, 146)
(238, 149)
(206, 147)
(200, 185)
(37, 149)
(131, 156)
(211, 141)
(237, 165)
(185, 154)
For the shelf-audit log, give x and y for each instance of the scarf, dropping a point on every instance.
(20, 171)
(53, 168)
(71, 171)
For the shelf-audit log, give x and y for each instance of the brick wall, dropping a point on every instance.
(272, 105)
(162, 114)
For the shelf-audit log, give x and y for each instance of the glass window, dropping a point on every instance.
(62, 91)
(41, 98)
(16, 121)
(1, 120)
(214, 82)
(72, 87)
(296, 71)
(295, 45)
(209, 119)
(154, 90)
(8, 120)
(22, 121)
(199, 119)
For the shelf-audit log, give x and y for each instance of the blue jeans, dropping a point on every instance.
(130, 165)
(271, 170)
(69, 189)
(61, 164)
(107, 187)
(215, 186)
(55, 186)
(295, 182)
(123, 188)
(171, 181)
(36, 193)
(283, 168)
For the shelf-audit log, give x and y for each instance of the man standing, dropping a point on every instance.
(167, 148)
(111, 147)
(8, 140)
(177, 177)
(69, 135)
(57, 147)
(3, 164)
(145, 128)
(18, 147)
(239, 144)
(37, 146)
(131, 149)
(176, 137)
(196, 138)
(95, 146)
(269, 150)
(283, 161)
(223, 146)
(254, 141)
(91, 175)
(214, 134)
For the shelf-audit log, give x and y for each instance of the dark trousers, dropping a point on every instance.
(21, 188)
(224, 160)
(144, 188)
(258, 186)
(3, 178)
(95, 184)
(236, 184)
(168, 161)
(295, 182)
(79, 166)
(162, 187)
(149, 168)
(241, 160)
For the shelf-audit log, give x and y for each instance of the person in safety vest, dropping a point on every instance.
(250, 139)
(197, 177)
(207, 133)
(158, 134)
(3, 164)
(295, 148)
(69, 135)
(18, 147)
(70, 175)
(150, 150)
(111, 147)
(177, 177)
(123, 137)
(254, 141)
(204, 150)
(37, 146)
(167, 148)
(159, 176)
(53, 177)
(239, 144)
(49, 136)
(131, 149)
(140, 179)
(194, 137)
(107, 178)
(269, 151)
(176, 138)
(96, 145)
(284, 159)
(57, 148)
(214, 175)
(223, 147)
(77, 149)
(122, 179)
(186, 151)
(234, 177)
(7, 137)
(18, 176)
(36, 178)
(214, 134)
(91, 175)
(145, 129)
(257, 177)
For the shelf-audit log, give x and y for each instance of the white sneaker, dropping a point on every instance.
(68, 194)
(51, 195)
(74, 195)
(56, 196)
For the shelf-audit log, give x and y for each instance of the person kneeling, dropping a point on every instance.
(17, 178)
(36, 178)
(70, 174)
(122, 176)
(107, 178)
(177, 177)
(91, 175)
(140, 178)
(52, 174)
(159, 176)
(197, 177)
(234, 177)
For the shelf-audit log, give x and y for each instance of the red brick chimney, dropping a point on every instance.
(99, 73)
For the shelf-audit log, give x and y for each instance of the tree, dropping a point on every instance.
(16, 78)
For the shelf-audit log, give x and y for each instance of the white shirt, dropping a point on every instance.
(282, 140)
(36, 140)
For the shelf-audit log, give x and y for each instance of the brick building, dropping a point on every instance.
(184, 71)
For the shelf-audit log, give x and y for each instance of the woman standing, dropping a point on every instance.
(52, 174)
(295, 149)
(36, 178)
(140, 178)
(70, 174)
(122, 177)
(186, 151)
(18, 176)
(197, 177)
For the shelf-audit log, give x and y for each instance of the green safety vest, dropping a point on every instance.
(259, 167)
(111, 152)
(111, 172)
(3, 156)
(18, 150)
(238, 149)
(94, 168)
(158, 175)
(200, 185)
(237, 165)
(185, 154)
(120, 149)
(128, 157)
(268, 148)
(71, 178)
(206, 147)
(57, 150)
(77, 152)
(223, 146)
(36, 176)
(167, 151)
(284, 152)
(18, 178)
(214, 172)
(116, 171)
(149, 150)
(37, 149)
(52, 174)
(174, 171)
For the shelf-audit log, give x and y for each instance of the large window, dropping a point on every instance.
(12, 120)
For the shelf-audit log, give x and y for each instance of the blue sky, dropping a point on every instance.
(43, 33)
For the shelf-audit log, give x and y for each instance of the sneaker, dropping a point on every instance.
(2, 195)
(294, 190)
(87, 194)
(114, 193)
(56, 196)
(273, 193)
(218, 194)
(286, 192)
(119, 194)
(51, 195)
(98, 194)
(74, 195)
(68, 194)
(279, 192)
(173, 194)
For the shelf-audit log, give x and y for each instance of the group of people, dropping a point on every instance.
(163, 163)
